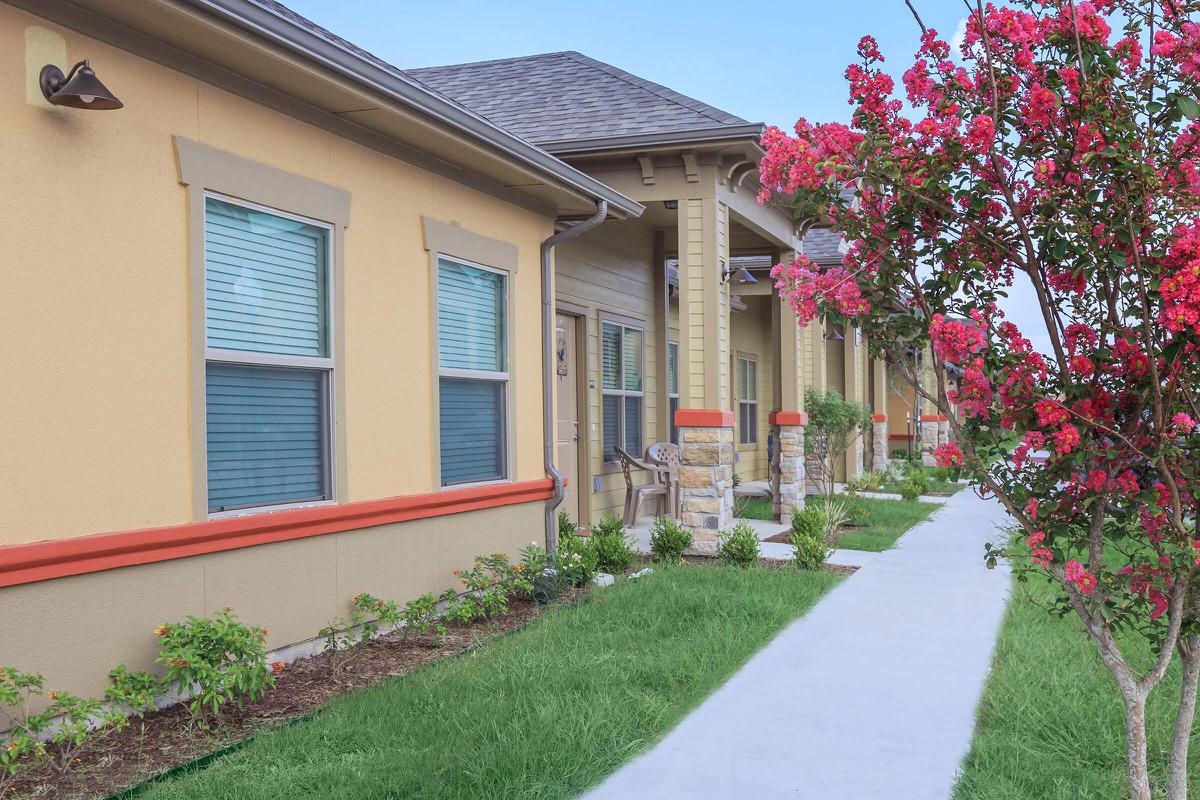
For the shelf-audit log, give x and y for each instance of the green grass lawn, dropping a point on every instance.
(937, 486)
(543, 713)
(1050, 725)
(886, 521)
(754, 508)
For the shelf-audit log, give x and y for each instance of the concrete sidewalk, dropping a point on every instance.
(871, 695)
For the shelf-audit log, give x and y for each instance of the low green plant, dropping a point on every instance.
(218, 660)
(871, 481)
(133, 691)
(613, 552)
(342, 634)
(576, 559)
(837, 515)
(668, 540)
(565, 526)
(811, 551)
(919, 478)
(739, 546)
(809, 520)
(21, 747)
(914, 485)
(419, 614)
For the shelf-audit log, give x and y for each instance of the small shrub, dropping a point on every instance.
(910, 491)
(611, 543)
(837, 515)
(739, 546)
(22, 747)
(219, 660)
(565, 526)
(809, 521)
(419, 614)
(134, 691)
(668, 540)
(857, 512)
(574, 563)
(811, 550)
(919, 478)
(866, 482)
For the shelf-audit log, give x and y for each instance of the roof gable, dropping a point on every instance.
(560, 97)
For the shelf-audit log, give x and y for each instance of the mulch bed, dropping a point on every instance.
(169, 738)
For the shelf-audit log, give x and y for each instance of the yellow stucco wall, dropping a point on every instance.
(751, 337)
(95, 414)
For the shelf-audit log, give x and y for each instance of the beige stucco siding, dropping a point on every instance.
(96, 293)
(608, 273)
(75, 629)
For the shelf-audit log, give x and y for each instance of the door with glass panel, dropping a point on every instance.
(567, 428)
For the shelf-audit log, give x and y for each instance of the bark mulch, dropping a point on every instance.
(168, 738)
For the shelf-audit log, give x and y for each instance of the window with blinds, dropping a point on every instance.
(267, 363)
(473, 373)
(621, 362)
(673, 387)
(747, 379)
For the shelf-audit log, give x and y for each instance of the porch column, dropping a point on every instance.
(854, 392)
(788, 421)
(879, 419)
(929, 437)
(704, 419)
(706, 476)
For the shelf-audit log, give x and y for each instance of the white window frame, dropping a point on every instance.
(673, 394)
(743, 433)
(253, 358)
(503, 377)
(623, 326)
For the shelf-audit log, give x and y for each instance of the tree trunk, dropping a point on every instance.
(1177, 788)
(1135, 743)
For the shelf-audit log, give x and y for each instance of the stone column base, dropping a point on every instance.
(706, 476)
(787, 462)
(929, 438)
(879, 441)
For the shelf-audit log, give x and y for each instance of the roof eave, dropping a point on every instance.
(749, 133)
(295, 38)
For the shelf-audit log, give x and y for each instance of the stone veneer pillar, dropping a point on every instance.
(929, 438)
(787, 462)
(706, 475)
(943, 430)
(879, 441)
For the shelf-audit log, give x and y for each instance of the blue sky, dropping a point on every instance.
(773, 67)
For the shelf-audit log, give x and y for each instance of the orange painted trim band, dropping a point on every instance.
(787, 418)
(932, 418)
(40, 561)
(703, 418)
(879, 418)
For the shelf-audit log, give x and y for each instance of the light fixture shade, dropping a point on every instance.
(743, 275)
(80, 89)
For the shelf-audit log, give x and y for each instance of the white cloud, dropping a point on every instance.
(960, 35)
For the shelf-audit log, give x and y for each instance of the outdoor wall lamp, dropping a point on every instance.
(740, 275)
(80, 88)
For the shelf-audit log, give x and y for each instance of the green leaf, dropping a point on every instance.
(1189, 107)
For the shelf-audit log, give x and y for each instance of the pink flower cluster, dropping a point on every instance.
(1183, 50)
(1181, 289)
(807, 285)
(1084, 581)
(1150, 581)
(948, 455)
(1041, 555)
(955, 341)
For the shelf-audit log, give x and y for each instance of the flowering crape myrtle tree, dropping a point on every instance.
(1059, 150)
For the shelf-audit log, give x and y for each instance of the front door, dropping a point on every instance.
(567, 453)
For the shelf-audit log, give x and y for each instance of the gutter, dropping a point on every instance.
(336, 56)
(664, 139)
(549, 438)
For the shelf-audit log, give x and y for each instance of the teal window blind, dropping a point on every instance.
(266, 435)
(264, 281)
(471, 329)
(473, 382)
(622, 382)
(267, 422)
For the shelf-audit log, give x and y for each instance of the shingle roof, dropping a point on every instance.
(823, 245)
(559, 97)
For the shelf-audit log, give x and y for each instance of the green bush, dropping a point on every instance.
(219, 660)
(611, 543)
(808, 521)
(739, 546)
(575, 562)
(918, 477)
(811, 551)
(866, 482)
(668, 539)
(910, 490)
(565, 526)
